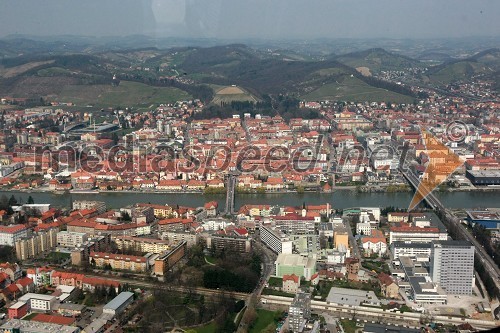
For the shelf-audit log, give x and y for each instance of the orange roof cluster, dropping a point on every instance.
(11, 229)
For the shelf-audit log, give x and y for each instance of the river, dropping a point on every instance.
(338, 199)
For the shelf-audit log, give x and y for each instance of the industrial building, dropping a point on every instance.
(26, 326)
(488, 218)
(484, 177)
(118, 304)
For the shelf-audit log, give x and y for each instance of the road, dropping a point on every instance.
(352, 240)
(230, 192)
(268, 258)
(411, 319)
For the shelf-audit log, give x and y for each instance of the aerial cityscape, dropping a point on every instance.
(166, 168)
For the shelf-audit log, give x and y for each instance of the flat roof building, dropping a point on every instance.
(26, 326)
(352, 297)
(489, 218)
(287, 264)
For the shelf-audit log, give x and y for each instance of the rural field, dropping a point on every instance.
(127, 94)
(232, 93)
(353, 89)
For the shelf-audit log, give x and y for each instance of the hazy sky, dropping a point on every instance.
(253, 18)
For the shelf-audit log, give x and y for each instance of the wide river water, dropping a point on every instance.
(338, 199)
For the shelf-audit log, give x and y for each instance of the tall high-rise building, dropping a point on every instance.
(452, 266)
(299, 312)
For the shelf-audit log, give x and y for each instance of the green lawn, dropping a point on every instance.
(348, 325)
(264, 318)
(209, 328)
(275, 281)
(57, 257)
(211, 260)
(377, 266)
(127, 94)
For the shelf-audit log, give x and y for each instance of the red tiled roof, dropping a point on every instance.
(100, 282)
(291, 277)
(10, 229)
(385, 279)
(25, 281)
(53, 319)
(12, 288)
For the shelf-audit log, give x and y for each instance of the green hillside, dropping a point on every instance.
(482, 63)
(352, 89)
(377, 60)
(126, 94)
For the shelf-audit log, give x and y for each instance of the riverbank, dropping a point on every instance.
(360, 189)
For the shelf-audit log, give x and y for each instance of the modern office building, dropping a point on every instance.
(39, 302)
(410, 249)
(452, 266)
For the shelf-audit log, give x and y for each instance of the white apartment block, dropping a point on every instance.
(276, 241)
(40, 242)
(10, 234)
(364, 228)
(416, 234)
(71, 239)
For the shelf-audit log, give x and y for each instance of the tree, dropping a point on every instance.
(126, 216)
(112, 292)
(12, 201)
